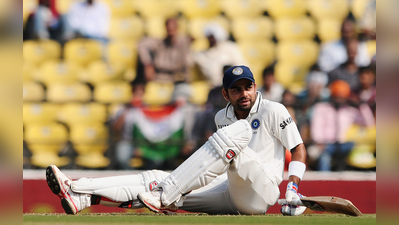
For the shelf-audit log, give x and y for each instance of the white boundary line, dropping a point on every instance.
(40, 174)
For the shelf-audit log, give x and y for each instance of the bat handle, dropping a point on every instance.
(294, 202)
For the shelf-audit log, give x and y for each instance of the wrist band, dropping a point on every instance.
(296, 168)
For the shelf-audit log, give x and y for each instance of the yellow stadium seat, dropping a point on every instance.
(90, 142)
(254, 29)
(258, 53)
(358, 8)
(57, 71)
(40, 112)
(32, 92)
(329, 29)
(199, 44)
(113, 92)
(129, 28)
(158, 93)
(63, 93)
(83, 113)
(157, 8)
(371, 47)
(298, 52)
(100, 71)
(241, 8)
(28, 71)
(283, 8)
(294, 29)
(335, 9)
(82, 51)
(290, 74)
(195, 26)
(362, 154)
(45, 142)
(63, 6)
(121, 8)
(122, 52)
(200, 91)
(200, 8)
(37, 52)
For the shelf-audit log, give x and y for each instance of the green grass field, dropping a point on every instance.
(152, 219)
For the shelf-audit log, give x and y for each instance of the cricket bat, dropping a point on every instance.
(327, 204)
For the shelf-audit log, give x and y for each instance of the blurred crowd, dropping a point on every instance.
(119, 84)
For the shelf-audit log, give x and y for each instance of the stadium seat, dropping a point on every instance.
(158, 93)
(100, 71)
(362, 154)
(200, 91)
(291, 75)
(58, 71)
(358, 8)
(294, 29)
(113, 92)
(322, 9)
(297, 52)
(40, 112)
(195, 26)
(371, 47)
(199, 8)
(63, 93)
(83, 113)
(258, 28)
(329, 29)
(37, 52)
(241, 8)
(28, 71)
(157, 8)
(45, 142)
(129, 28)
(90, 142)
(32, 92)
(63, 6)
(258, 53)
(122, 52)
(82, 51)
(120, 8)
(199, 44)
(283, 8)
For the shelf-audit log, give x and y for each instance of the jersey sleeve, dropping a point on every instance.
(283, 127)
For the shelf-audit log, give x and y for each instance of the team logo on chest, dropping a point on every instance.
(255, 124)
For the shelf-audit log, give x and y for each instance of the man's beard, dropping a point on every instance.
(244, 108)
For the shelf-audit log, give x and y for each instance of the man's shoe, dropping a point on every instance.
(60, 184)
(152, 200)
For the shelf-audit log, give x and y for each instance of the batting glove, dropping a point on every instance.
(292, 194)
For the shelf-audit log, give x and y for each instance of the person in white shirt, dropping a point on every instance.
(334, 53)
(271, 89)
(221, 52)
(90, 19)
(237, 171)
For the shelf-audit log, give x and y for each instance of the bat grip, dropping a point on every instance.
(293, 202)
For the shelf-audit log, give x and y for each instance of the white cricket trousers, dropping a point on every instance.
(246, 188)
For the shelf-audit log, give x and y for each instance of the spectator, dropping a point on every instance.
(368, 22)
(329, 124)
(366, 93)
(47, 21)
(167, 60)
(271, 89)
(221, 52)
(333, 54)
(89, 19)
(316, 91)
(347, 71)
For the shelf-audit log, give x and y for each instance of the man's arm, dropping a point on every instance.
(298, 154)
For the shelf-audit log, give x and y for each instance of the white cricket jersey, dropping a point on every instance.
(273, 131)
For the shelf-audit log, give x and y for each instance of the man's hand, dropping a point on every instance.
(292, 192)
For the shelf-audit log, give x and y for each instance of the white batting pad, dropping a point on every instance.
(209, 161)
(119, 188)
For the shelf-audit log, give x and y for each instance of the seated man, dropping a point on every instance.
(237, 171)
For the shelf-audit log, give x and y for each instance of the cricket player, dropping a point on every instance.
(237, 171)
